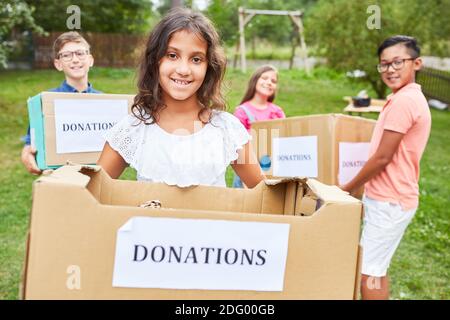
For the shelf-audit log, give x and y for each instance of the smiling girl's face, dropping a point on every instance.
(267, 83)
(183, 68)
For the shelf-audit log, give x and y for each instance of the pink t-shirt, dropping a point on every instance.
(406, 112)
(271, 112)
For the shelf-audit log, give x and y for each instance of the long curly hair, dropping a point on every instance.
(149, 102)
(251, 88)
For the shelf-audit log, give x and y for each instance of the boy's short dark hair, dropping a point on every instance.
(409, 42)
(71, 36)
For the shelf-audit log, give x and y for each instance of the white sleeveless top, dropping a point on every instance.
(200, 158)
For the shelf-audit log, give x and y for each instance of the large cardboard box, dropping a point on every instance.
(80, 217)
(69, 126)
(332, 135)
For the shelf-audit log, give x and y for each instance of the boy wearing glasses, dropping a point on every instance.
(72, 57)
(391, 174)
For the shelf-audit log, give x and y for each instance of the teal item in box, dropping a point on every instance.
(37, 131)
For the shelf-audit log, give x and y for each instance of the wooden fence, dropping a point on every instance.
(108, 49)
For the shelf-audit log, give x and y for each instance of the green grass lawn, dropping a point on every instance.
(419, 270)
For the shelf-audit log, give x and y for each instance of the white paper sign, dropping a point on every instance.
(200, 254)
(80, 124)
(295, 156)
(352, 157)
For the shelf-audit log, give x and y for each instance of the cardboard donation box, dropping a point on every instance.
(70, 126)
(331, 148)
(93, 237)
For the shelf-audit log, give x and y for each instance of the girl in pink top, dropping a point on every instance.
(257, 104)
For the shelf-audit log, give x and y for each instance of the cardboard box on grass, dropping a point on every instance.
(79, 213)
(69, 126)
(334, 136)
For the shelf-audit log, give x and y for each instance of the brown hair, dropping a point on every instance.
(251, 88)
(148, 101)
(71, 36)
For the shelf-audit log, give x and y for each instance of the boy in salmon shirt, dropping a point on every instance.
(391, 174)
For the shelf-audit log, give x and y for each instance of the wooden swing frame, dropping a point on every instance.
(245, 15)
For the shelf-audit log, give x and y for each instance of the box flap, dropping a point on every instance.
(273, 182)
(71, 174)
(330, 194)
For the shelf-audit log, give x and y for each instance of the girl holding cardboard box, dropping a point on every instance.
(178, 132)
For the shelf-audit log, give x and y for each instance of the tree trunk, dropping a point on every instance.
(253, 48)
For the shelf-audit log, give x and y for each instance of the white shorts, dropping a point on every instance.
(384, 226)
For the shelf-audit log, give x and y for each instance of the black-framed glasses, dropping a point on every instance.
(396, 65)
(68, 55)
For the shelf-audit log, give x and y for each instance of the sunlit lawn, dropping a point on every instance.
(420, 269)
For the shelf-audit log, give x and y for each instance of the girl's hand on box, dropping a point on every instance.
(247, 167)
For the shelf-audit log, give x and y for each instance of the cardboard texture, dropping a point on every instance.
(330, 129)
(41, 111)
(77, 211)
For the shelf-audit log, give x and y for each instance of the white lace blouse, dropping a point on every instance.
(200, 158)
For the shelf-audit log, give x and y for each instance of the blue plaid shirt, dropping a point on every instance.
(64, 87)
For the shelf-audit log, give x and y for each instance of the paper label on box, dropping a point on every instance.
(352, 157)
(295, 156)
(175, 253)
(80, 124)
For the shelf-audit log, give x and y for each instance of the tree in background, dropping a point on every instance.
(166, 5)
(275, 29)
(15, 17)
(111, 16)
(338, 29)
(224, 14)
